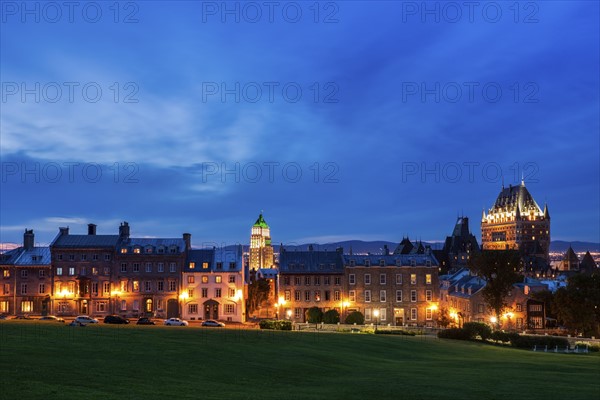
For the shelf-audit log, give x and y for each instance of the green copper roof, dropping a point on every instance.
(261, 222)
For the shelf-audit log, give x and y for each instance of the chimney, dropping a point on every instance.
(310, 247)
(124, 230)
(187, 238)
(386, 250)
(91, 229)
(63, 231)
(28, 239)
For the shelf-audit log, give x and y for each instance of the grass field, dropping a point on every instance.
(47, 361)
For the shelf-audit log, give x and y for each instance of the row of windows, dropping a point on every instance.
(83, 257)
(227, 308)
(204, 279)
(24, 289)
(383, 279)
(218, 292)
(150, 250)
(312, 280)
(398, 263)
(312, 296)
(383, 296)
(24, 273)
(148, 267)
(218, 266)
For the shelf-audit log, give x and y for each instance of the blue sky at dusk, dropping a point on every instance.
(345, 120)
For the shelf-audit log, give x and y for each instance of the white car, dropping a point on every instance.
(84, 320)
(175, 322)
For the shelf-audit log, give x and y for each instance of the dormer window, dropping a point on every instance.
(192, 265)
(161, 249)
(219, 265)
(352, 263)
(148, 249)
(204, 265)
(124, 250)
(332, 266)
(367, 263)
(382, 263)
(137, 250)
(173, 249)
(232, 265)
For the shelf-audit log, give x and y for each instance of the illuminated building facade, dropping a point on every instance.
(516, 222)
(397, 289)
(26, 279)
(261, 250)
(310, 279)
(213, 285)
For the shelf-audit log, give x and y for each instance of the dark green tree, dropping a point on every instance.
(331, 316)
(499, 269)
(355, 317)
(314, 315)
(258, 292)
(578, 304)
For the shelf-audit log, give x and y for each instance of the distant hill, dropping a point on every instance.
(562, 246)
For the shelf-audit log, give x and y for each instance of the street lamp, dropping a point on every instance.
(289, 314)
(279, 303)
(376, 314)
(116, 294)
(345, 304)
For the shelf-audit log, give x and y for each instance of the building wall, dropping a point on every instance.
(409, 296)
(82, 281)
(145, 284)
(303, 291)
(25, 290)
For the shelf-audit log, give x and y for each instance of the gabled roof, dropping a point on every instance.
(311, 262)
(587, 263)
(571, 256)
(405, 246)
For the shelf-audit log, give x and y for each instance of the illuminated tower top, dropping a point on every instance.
(261, 250)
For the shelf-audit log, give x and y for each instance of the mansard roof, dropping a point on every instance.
(153, 243)
(85, 241)
(391, 260)
(311, 262)
(22, 257)
(462, 239)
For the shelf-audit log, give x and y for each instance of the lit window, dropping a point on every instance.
(218, 279)
(428, 279)
(192, 265)
(204, 265)
(413, 279)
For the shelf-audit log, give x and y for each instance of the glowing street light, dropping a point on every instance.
(376, 314)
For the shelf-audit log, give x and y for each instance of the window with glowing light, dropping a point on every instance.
(317, 295)
(4, 306)
(190, 279)
(27, 306)
(204, 279)
(136, 286)
(218, 279)
(59, 271)
(428, 279)
(413, 279)
(192, 265)
(204, 265)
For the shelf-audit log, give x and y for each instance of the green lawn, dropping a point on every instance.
(47, 361)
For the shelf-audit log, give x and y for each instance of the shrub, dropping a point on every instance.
(395, 332)
(477, 329)
(355, 317)
(331, 317)
(278, 325)
(591, 346)
(454, 333)
(314, 315)
(527, 341)
(504, 337)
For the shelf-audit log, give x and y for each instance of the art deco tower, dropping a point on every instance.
(516, 222)
(261, 250)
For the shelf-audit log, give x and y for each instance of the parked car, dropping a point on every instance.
(115, 319)
(52, 318)
(175, 322)
(23, 317)
(212, 322)
(85, 319)
(145, 321)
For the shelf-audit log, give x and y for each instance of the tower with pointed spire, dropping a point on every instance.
(261, 250)
(517, 222)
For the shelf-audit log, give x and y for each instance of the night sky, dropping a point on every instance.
(340, 120)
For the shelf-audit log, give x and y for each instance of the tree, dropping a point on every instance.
(314, 315)
(577, 305)
(355, 317)
(443, 319)
(258, 292)
(549, 304)
(499, 269)
(331, 317)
